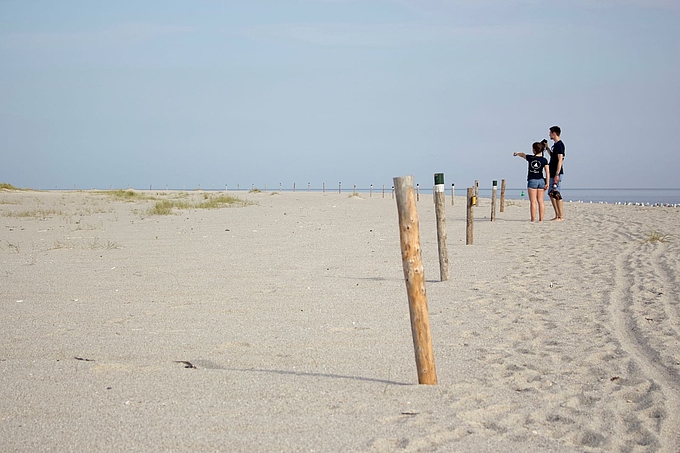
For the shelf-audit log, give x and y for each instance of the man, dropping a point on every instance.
(556, 172)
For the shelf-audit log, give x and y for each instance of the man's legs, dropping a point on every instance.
(557, 204)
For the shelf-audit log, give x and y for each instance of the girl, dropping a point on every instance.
(537, 184)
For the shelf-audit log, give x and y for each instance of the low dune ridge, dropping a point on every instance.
(180, 321)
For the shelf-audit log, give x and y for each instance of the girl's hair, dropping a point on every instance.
(538, 148)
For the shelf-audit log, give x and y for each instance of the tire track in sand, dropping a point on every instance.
(637, 274)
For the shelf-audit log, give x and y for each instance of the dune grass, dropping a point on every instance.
(7, 186)
(165, 207)
(656, 236)
(36, 214)
(126, 194)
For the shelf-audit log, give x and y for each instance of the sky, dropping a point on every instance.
(210, 93)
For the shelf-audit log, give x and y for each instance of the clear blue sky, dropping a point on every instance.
(188, 93)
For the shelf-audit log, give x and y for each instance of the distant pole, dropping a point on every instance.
(417, 192)
(383, 194)
(265, 187)
(440, 210)
(293, 187)
(308, 186)
(415, 280)
(149, 186)
(470, 215)
(340, 187)
(324, 188)
(393, 192)
(493, 200)
(476, 191)
(226, 187)
(452, 189)
(280, 186)
(354, 191)
(502, 195)
(238, 186)
(370, 193)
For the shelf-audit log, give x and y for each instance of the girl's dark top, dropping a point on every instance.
(536, 164)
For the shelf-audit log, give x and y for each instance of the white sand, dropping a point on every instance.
(561, 337)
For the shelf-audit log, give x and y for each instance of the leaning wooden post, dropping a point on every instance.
(471, 200)
(502, 195)
(415, 280)
(452, 189)
(440, 210)
(493, 200)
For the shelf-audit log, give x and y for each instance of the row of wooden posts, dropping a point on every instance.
(412, 262)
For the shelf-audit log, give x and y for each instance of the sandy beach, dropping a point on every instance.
(283, 325)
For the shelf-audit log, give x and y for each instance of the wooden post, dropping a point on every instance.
(452, 189)
(293, 187)
(324, 187)
(308, 186)
(476, 191)
(470, 215)
(440, 210)
(502, 195)
(493, 200)
(340, 187)
(415, 280)
(354, 191)
(383, 195)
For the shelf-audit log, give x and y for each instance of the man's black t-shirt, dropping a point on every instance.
(558, 148)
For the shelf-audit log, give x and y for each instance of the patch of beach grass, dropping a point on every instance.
(254, 190)
(40, 214)
(126, 194)
(656, 236)
(7, 186)
(165, 207)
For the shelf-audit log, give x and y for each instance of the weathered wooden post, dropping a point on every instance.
(493, 200)
(476, 191)
(415, 280)
(471, 200)
(452, 189)
(502, 195)
(440, 212)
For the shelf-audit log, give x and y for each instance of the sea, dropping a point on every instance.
(609, 196)
(645, 196)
